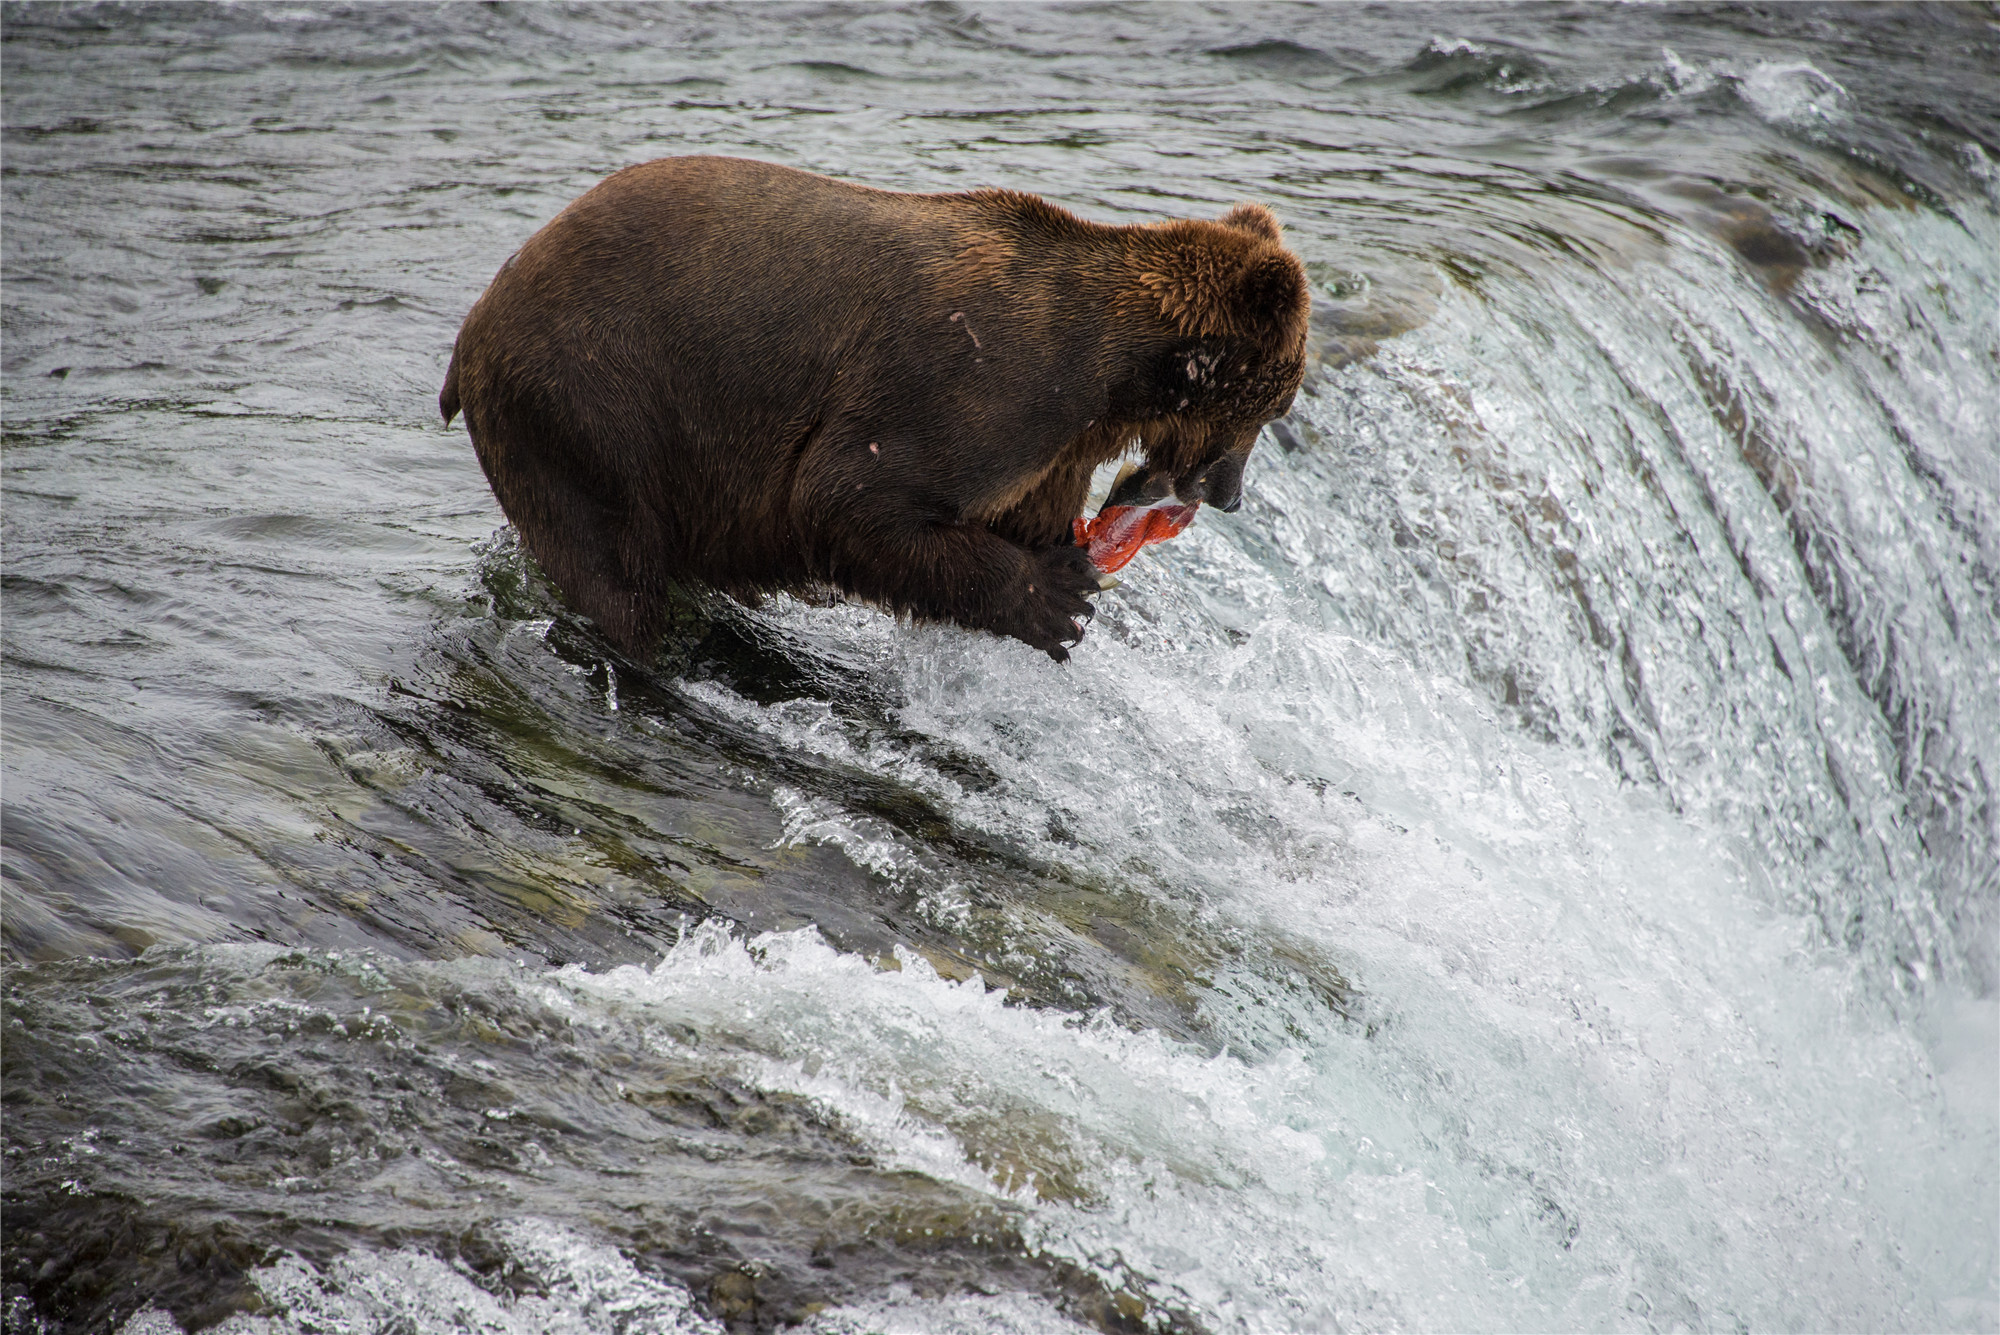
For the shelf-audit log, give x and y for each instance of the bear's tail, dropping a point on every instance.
(448, 396)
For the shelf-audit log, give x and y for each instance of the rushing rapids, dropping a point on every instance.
(1536, 866)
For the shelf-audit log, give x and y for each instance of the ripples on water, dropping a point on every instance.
(1533, 867)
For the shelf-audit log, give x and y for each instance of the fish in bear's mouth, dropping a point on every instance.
(1140, 510)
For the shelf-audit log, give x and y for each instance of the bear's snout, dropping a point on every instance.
(1218, 484)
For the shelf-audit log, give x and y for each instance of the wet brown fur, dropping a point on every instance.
(726, 371)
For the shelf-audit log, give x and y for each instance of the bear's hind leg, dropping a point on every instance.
(588, 548)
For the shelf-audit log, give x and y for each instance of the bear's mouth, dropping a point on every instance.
(1143, 508)
(1136, 487)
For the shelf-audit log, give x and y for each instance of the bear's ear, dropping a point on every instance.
(1272, 287)
(1256, 220)
(1209, 284)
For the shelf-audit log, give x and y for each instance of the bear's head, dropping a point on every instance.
(1224, 349)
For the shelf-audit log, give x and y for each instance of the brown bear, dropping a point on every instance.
(724, 371)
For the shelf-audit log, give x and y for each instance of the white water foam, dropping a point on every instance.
(1605, 1086)
(1783, 92)
(901, 1312)
(587, 1289)
(1792, 92)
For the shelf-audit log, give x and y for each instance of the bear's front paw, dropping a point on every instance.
(1053, 602)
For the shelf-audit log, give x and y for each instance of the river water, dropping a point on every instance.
(1536, 866)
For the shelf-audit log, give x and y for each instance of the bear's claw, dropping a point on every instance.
(1054, 605)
